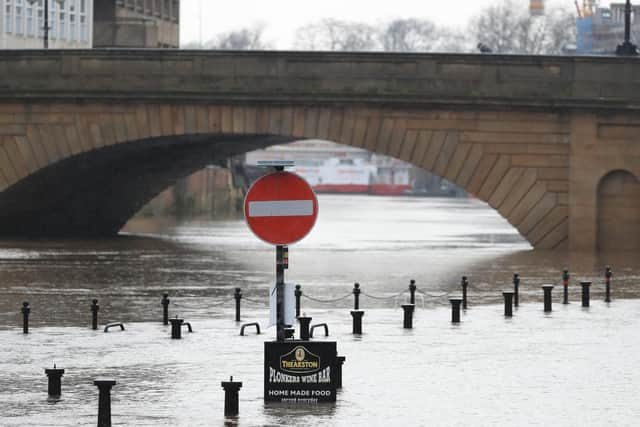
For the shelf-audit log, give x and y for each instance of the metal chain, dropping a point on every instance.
(384, 298)
(327, 301)
(433, 296)
(253, 301)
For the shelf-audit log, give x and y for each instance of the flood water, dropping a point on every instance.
(573, 367)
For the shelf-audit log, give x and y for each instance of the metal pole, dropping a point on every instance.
(627, 48)
(279, 293)
(516, 290)
(46, 24)
(565, 284)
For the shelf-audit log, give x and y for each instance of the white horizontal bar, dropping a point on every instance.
(281, 208)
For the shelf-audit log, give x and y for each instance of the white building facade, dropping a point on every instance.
(22, 24)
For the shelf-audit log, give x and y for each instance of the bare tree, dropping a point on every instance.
(333, 34)
(241, 39)
(507, 27)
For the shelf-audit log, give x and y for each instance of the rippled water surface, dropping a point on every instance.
(573, 367)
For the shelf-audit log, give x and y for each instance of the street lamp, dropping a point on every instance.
(627, 48)
(46, 19)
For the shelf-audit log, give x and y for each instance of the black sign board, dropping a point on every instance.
(300, 371)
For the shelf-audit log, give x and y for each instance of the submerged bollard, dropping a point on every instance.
(298, 294)
(565, 285)
(356, 296)
(176, 328)
(238, 296)
(408, 315)
(25, 317)
(516, 289)
(94, 314)
(231, 399)
(54, 375)
(465, 285)
(607, 282)
(585, 293)
(455, 309)
(304, 327)
(339, 362)
(508, 303)
(547, 297)
(412, 291)
(165, 309)
(357, 321)
(104, 401)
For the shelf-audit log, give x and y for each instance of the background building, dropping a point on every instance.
(601, 29)
(137, 23)
(22, 24)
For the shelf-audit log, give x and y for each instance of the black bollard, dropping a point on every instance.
(607, 282)
(565, 285)
(357, 321)
(165, 309)
(356, 296)
(412, 291)
(339, 362)
(508, 303)
(231, 400)
(408, 315)
(516, 289)
(104, 402)
(465, 285)
(238, 296)
(298, 294)
(25, 317)
(547, 297)
(585, 293)
(176, 328)
(55, 386)
(94, 314)
(455, 309)
(304, 327)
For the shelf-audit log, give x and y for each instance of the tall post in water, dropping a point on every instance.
(165, 309)
(607, 281)
(585, 293)
(238, 296)
(547, 297)
(356, 313)
(231, 398)
(412, 291)
(455, 309)
(508, 303)
(356, 296)
(104, 402)
(565, 286)
(298, 294)
(516, 288)
(25, 317)
(465, 285)
(280, 293)
(54, 379)
(94, 314)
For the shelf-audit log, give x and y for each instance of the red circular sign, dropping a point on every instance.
(280, 208)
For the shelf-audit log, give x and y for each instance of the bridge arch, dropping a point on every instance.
(516, 162)
(618, 201)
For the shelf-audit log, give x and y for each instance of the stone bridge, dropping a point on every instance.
(551, 143)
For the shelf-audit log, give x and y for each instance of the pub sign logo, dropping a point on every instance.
(300, 361)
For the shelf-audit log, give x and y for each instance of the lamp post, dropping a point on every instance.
(46, 19)
(627, 48)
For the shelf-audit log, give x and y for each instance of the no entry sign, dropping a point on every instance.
(281, 208)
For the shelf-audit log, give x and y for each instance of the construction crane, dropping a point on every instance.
(588, 8)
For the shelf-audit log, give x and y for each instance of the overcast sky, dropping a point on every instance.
(282, 17)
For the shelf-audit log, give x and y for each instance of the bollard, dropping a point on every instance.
(104, 402)
(455, 309)
(165, 309)
(412, 291)
(94, 314)
(607, 281)
(298, 294)
(547, 297)
(565, 284)
(465, 285)
(231, 400)
(508, 303)
(304, 327)
(238, 296)
(516, 288)
(357, 321)
(25, 317)
(585, 293)
(176, 328)
(408, 315)
(55, 386)
(356, 296)
(339, 362)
